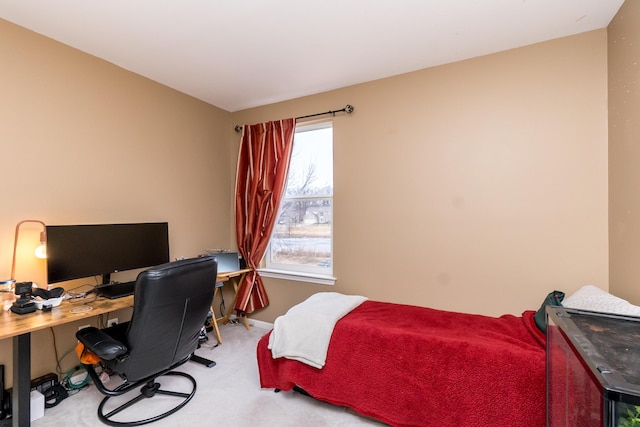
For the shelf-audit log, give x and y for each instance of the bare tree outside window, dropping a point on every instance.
(302, 238)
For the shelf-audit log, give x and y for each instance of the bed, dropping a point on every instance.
(414, 366)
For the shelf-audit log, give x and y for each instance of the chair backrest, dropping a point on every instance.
(171, 303)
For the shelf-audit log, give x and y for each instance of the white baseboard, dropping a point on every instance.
(260, 324)
(254, 322)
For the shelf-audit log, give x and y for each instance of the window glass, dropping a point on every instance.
(302, 240)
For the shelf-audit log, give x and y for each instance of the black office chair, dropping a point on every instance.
(171, 303)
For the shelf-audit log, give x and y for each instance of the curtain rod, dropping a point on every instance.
(347, 109)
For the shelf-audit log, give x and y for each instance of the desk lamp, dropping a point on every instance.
(40, 252)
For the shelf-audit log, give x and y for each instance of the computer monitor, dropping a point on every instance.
(78, 251)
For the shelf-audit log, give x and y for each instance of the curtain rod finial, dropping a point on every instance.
(238, 128)
(348, 109)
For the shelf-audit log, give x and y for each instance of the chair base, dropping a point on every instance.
(150, 389)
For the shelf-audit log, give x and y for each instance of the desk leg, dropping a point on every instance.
(225, 319)
(246, 322)
(236, 285)
(21, 398)
(214, 320)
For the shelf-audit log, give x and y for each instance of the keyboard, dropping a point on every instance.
(116, 290)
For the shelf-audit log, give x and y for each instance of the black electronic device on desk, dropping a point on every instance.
(116, 289)
(228, 261)
(23, 304)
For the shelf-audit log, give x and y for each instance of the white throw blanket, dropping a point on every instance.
(304, 332)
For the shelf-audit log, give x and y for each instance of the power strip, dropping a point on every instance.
(44, 382)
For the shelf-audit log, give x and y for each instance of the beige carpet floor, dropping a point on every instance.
(227, 395)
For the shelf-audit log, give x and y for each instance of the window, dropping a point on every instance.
(302, 241)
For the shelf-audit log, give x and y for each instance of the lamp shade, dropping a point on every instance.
(41, 251)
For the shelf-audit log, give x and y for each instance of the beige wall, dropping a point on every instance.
(83, 141)
(478, 186)
(624, 151)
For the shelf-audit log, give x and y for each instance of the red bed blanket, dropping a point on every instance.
(416, 366)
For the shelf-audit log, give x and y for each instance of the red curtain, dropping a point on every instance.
(263, 165)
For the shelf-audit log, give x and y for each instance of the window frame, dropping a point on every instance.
(302, 273)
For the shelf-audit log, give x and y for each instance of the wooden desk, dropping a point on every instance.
(235, 277)
(20, 326)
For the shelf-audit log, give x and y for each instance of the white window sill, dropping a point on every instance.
(298, 276)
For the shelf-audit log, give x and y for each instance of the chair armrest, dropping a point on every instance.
(101, 344)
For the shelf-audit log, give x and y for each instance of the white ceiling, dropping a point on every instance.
(237, 54)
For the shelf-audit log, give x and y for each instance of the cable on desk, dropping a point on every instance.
(60, 359)
(55, 352)
(87, 289)
(223, 308)
(66, 382)
(103, 321)
(76, 386)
